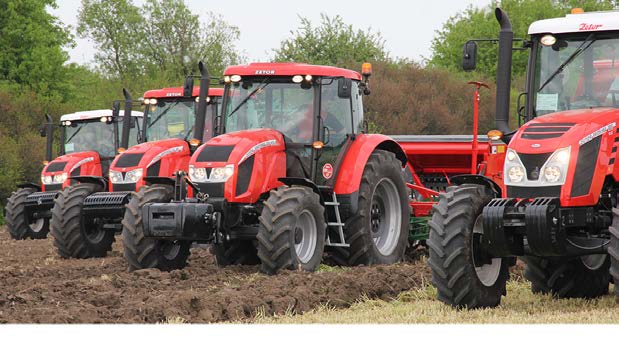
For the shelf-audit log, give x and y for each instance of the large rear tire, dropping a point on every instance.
(455, 234)
(378, 232)
(141, 252)
(292, 230)
(613, 251)
(74, 235)
(235, 252)
(585, 277)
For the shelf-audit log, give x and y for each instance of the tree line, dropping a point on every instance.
(159, 42)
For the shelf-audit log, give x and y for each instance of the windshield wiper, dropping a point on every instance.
(572, 56)
(74, 134)
(261, 86)
(163, 113)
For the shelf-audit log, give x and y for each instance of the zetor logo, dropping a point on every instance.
(265, 72)
(589, 27)
(174, 94)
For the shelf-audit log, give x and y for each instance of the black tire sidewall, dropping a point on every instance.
(308, 203)
(17, 223)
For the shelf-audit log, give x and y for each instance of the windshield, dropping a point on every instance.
(171, 119)
(90, 135)
(577, 71)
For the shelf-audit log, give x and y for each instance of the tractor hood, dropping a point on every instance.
(149, 153)
(70, 162)
(564, 129)
(240, 166)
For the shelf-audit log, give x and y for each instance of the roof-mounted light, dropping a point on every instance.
(366, 69)
(152, 101)
(297, 79)
(548, 40)
(235, 78)
(308, 77)
(227, 79)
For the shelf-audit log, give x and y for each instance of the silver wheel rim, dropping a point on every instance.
(593, 262)
(170, 249)
(487, 274)
(37, 226)
(385, 216)
(305, 236)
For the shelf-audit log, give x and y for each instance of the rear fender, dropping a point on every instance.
(29, 185)
(351, 169)
(84, 179)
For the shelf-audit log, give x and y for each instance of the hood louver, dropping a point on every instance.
(542, 131)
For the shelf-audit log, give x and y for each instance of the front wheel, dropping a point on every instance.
(76, 236)
(378, 232)
(464, 275)
(613, 251)
(292, 230)
(19, 225)
(141, 252)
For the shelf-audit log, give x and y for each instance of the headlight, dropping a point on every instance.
(115, 177)
(515, 173)
(555, 169)
(197, 174)
(221, 174)
(46, 179)
(552, 174)
(60, 178)
(133, 176)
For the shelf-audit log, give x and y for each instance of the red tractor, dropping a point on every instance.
(292, 172)
(88, 215)
(89, 140)
(556, 206)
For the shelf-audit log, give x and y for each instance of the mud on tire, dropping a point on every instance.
(292, 230)
(567, 278)
(235, 252)
(75, 236)
(377, 210)
(141, 252)
(452, 238)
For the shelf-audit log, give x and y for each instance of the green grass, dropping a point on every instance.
(420, 306)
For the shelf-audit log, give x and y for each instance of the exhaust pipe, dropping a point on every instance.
(503, 72)
(49, 133)
(205, 80)
(124, 140)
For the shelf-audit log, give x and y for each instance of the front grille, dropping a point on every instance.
(585, 167)
(244, 176)
(53, 187)
(41, 198)
(123, 187)
(129, 159)
(215, 190)
(56, 166)
(542, 131)
(533, 163)
(526, 192)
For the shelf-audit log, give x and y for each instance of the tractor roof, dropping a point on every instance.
(290, 69)
(87, 115)
(578, 23)
(171, 92)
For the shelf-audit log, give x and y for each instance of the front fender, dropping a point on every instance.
(351, 169)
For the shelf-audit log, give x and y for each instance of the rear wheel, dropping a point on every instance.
(141, 252)
(584, 277)
(292, 230)
(378, 232)
(74, 235)
(613, 251)
(464, 275)
(235, 252)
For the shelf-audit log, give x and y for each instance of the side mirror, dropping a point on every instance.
(188, 87)
(469, 57)
(344, 88)
(43, 131)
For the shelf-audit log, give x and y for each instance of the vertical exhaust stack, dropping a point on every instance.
(124, 140)
(49, 133)
(503, 72)
(205, 80)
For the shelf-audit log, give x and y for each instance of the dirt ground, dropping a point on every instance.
(36, 286)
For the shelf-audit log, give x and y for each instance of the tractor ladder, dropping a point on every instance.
(336, 225)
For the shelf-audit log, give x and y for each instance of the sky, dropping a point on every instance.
(408, 27)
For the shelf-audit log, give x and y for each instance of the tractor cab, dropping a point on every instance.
(315, 109)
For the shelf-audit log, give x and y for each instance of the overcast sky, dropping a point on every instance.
(407, 26)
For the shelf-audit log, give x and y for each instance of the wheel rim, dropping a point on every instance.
(305, 236)
(37, 225)
(593, 262)
(170, 249)
(94, 232)
(487, 274)
(385, 218)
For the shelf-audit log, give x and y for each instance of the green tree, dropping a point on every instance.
(475, 23)
(32, 41)
(332, 42)
(115, 28)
